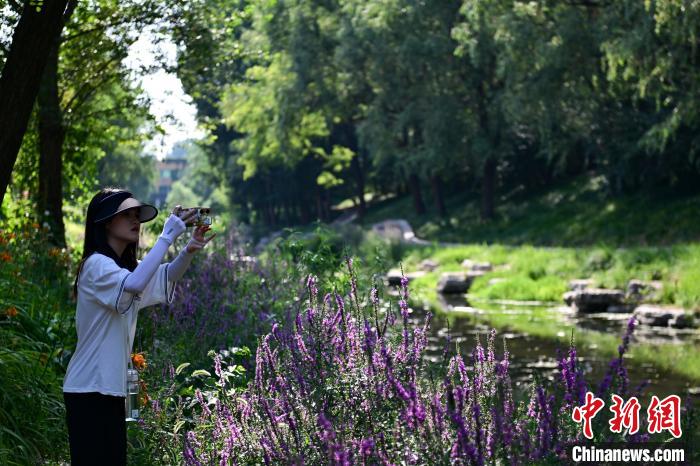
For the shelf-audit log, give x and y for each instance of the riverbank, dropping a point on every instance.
(542, 274)
(530, 273)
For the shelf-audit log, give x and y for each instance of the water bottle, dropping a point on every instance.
(132, 395)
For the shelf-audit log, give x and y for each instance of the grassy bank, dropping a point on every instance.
(532, 273)
(581, 212)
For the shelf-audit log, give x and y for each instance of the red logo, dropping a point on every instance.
(665, 415)
(587, 412)
(626, 414)
(661, 415)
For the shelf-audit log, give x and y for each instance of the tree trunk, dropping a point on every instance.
(319, 203)
(32, 40)
(51, 137)
(359, 184)
(269, 203)
(436, 184)
(414, 185)
(488, 189)
(245, 211)
(290, 212)
(326, 205)
(305, 210)
(358, 168)
(271, 217)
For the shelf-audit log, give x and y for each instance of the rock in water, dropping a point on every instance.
(594, 299)
(456, 282)
(393, 277)
(664, 316)
(638, 290)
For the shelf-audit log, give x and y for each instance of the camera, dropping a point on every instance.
(201, 217)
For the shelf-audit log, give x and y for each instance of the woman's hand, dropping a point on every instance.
(198, 240)
(186, 215)
(175, 225)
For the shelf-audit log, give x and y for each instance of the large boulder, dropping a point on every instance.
(456, 282)
(595, 299)
(477, 266)
(398, 229)
(580, 284)
(428, 265)
(393, 277)
(664, 316)
(638, 290)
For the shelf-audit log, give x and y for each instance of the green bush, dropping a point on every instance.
(37, 334)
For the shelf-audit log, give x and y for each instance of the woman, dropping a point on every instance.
(111, 286)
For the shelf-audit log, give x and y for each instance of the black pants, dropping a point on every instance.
(96, 429)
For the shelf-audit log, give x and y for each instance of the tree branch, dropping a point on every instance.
(85, 116)
(70, 8)
(95, 75)
(126, 19)
(88, 93)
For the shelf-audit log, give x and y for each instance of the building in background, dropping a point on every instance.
(170, 170)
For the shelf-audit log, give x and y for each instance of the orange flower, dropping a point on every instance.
(138, 360)
(143, 393)
(11, 311)
(35, 225)
(5, 256)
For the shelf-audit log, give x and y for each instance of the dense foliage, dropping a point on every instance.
(485, 97)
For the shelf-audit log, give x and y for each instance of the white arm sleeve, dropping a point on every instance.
(178, 266)
(139, 278)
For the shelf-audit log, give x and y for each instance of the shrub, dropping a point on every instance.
(36, 331)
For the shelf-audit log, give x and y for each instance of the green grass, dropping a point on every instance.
(532, 273)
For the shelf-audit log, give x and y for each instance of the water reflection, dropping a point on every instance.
(532, 355)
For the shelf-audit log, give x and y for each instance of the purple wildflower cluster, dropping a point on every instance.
(345, 382)
(224, 300)
(617, 371)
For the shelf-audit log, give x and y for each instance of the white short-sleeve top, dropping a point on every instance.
(105, 319)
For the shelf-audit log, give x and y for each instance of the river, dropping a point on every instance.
(530, 354)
